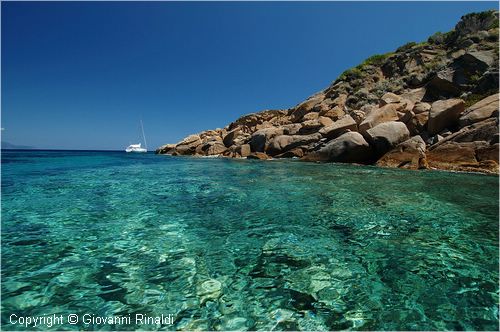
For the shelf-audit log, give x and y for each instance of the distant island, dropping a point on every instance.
(10, 146)
(429, 105)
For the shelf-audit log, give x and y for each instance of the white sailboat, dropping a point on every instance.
(137, 147)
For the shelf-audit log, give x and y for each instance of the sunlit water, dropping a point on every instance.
(237, 244)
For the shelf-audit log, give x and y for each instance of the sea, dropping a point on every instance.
(94, 240)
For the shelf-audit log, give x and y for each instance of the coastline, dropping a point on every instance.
(429, 105)
(295, 159)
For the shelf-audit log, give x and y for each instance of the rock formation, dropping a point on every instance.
(433, 104)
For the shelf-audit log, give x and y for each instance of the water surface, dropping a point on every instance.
(224, 244)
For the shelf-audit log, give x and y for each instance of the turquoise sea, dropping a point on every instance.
(224, 244)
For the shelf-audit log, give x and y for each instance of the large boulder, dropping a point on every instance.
(284, 143)
(409, 154)
(442, 86)
(475, 22)
(165, 149)
(481, 110)
(310, 116)
(421, 107)
(244, 150)
(480, 131)
(307, 106)
(334, 113)
(476, 156)
(385, 113)
(417, 123)
(414, 95)
(188, 145)
(229, 138)
(293, 153)
(291, 129)
(214, 148)
(489, 152)
(444, 114)
(258, 155)
(453, 152)
(389, 98)
(350, 147)
(255, 119)
(261, 138)
(325, 121)
(387, 135)
(471, 64)
(310, 126)
(339, 127)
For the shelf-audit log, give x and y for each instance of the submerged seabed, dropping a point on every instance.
(239, 244)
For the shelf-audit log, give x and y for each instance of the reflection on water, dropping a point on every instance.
(234, 244)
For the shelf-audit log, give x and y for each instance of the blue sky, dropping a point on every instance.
(81, 75)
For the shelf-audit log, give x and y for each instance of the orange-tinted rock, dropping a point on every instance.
(409, 154)
(444, 114)
(350, 147)
(386, 113)
(480, 111)
(258, 155)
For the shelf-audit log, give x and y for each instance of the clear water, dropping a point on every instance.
(234, 244)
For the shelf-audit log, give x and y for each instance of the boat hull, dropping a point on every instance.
(136, 150)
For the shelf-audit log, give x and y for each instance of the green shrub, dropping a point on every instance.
(357, 72)
(474, 98)
(436, 38)
(406, 47)
(434, 64)
(376, 60)
(351, 73)
(481, 15)
(441, 38)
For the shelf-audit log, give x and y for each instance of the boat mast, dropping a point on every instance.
(144, 137)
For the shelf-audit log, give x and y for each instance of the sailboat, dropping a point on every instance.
(137, 147)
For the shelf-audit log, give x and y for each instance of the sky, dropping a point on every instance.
(81, 75)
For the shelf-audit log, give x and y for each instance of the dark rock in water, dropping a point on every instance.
(110, 291)
(287, 326)
(301, 301)
(38, 242)
(344, 230)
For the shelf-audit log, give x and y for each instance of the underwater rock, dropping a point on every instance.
(209, 290)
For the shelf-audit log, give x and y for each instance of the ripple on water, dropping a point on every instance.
(239, 245)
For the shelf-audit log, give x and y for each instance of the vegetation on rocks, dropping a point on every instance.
(427, 105)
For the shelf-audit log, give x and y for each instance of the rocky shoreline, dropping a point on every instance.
(432, 105)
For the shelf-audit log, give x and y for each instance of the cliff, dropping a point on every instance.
(426, 105)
